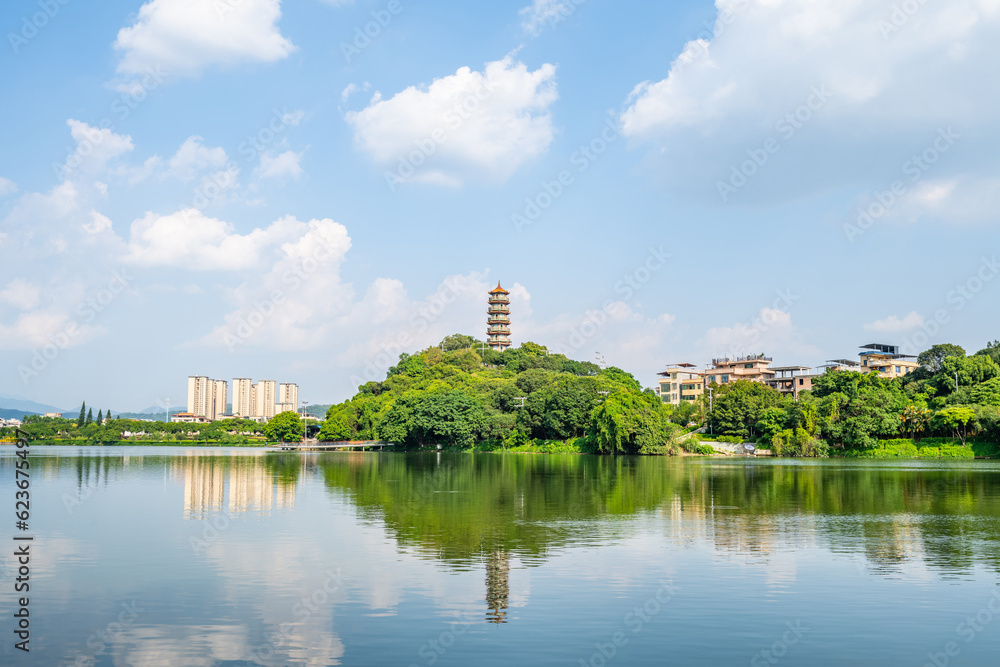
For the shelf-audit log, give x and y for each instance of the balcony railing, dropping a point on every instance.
(737, 360)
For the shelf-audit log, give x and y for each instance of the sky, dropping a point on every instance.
(302, 191)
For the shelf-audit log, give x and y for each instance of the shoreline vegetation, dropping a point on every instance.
(458, 396)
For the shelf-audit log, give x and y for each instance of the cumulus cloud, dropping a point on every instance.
(283, 165)
(546, 12)
(185, 36)
(98, 224)
(95, 148)
(770, 331)
(893, 324)
(7, 187)
(20, 294)
(189, 239)
(469, 124)
(846, 90)
(192, 158)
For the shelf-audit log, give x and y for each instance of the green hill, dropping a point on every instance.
(454, 396)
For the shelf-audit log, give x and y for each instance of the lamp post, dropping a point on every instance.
(711, 407)
(305, 423)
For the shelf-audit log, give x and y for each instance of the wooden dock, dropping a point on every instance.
(331, 446)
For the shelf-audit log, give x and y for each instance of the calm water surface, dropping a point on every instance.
(212, 557)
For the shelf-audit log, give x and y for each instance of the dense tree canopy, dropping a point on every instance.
(456, 394)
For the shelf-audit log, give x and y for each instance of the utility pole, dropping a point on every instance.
(956, 380)
(522, 399)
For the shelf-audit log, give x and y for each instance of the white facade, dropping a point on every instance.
(288, 397)
(220, 399)
(266, 395)
(244, 404)
(201, 398)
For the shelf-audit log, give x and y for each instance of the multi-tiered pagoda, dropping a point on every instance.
(498, 323)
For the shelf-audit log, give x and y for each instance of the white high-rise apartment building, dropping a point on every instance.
(266, 390)
(221, 396)
(244, 403)
(201, 396)
(288, 397)
(207, 398)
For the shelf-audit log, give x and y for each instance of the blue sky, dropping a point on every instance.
(257, 188)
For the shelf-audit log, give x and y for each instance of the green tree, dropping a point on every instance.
(969, 371)
(956, 419)
(334, 430)
(992, 350)
(82, 419)
(457, 342)
(772, 421)
(451, 418)
(90, 416)
(630, 422)
(738, 407)
(858, 408)
(915, 420)
(284, 427)
(100, 417)
(933, 358)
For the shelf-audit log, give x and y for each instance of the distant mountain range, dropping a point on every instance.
(24, 406)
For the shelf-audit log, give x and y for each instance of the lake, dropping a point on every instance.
(151, 556)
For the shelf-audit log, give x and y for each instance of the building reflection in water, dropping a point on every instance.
(239, 485)
(497, 586)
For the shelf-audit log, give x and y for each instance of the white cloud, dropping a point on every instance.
(192, 158)
(280, 166)
(189, 239)
(353, 88)
(186, 36)
(98, 224)
(877, 95)
(20, 294)
(7, 187)
(770, 331)
(466, 125)
(966, 198)
(546, 12)
(95, 148)
(893, 324)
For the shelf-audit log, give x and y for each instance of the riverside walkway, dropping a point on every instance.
(331, 446)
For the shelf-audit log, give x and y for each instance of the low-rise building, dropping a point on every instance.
(188, 417)
(887, 360)
(754, 367)
(680, 382)
(791, 379)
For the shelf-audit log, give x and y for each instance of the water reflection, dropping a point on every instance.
(486, 523)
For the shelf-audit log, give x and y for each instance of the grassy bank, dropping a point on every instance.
(84, 442)
(927, 448)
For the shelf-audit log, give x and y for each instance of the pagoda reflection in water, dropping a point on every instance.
(497, 586)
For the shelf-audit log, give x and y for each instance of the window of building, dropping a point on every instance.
(897, 369)
(711, 378)
(747, 365)
(725, 379)
(801, 382)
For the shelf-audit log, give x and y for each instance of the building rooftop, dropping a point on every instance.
(499, 290)
(790, 368)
